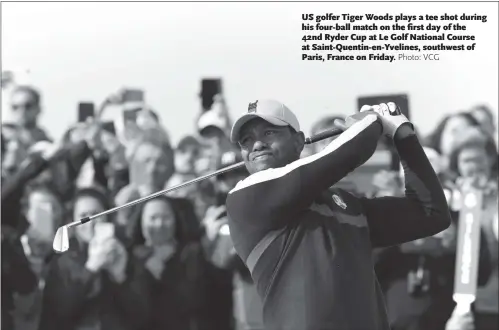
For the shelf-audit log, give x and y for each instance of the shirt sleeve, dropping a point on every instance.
(422, 212)
(270, 199)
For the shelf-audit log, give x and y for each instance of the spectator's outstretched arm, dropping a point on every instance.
(13, 187)
(422, 212)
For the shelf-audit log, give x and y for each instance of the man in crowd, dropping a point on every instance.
(309, 250)
(25, 102)
(230, 270)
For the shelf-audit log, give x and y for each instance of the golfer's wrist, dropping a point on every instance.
(403, 131)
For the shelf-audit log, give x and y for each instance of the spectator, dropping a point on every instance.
(443, 137)
(418, 277)
(166, 244)
(95, 284)
(474, 156)
(26, 109)
(44, 211)
(186, 153)
(151, 165)
(151, 161)
(220, 250)
(485, 117)
(13, 153)
(212, 128)
(17, 276)
(473, 159)
(229, 268)
(322, 125)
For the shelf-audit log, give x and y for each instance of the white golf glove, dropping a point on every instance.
(391, 117)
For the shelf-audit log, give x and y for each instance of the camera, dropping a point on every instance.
(418, 281)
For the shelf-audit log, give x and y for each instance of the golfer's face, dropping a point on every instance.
(265, 146)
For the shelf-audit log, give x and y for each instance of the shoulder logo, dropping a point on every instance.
(339, 202)
(252, 107)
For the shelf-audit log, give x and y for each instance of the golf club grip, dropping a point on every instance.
(323, 135)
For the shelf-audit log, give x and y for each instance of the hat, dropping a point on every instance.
(271, 111)
(212, 118)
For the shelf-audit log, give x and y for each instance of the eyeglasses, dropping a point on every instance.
(25, 106)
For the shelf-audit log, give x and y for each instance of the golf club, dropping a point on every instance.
(61, 240)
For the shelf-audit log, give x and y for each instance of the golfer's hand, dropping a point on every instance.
(100, 253)
(391, 117)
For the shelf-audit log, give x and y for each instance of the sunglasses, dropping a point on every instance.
(25, 106)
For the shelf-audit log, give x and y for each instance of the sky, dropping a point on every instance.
(85, 51)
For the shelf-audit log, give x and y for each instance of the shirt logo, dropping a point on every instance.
(339, 202)
(252, 107)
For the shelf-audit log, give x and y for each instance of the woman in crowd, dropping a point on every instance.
(43, 208)
(474, 160)
(485, 117)
(167, 244)
(151, 164)
(443, 137)
(94, 285)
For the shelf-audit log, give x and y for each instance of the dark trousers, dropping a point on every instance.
(486, 321)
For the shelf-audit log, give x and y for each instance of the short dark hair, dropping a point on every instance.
(485, 109)
(96, 193)
(35, 94)
(187, 141)
(487, 143)
(41, 186)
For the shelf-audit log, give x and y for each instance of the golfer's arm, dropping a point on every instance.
(422, 212)
(275, 195)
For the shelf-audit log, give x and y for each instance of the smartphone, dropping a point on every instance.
(130, 115)
(108, 126)
(43, 220)
(103, 231)
(209, 88)
(133, 95)
(85, 110)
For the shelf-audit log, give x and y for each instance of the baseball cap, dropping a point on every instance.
(211, 118)
(271, 111)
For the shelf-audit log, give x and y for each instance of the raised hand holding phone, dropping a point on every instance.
(101, 247)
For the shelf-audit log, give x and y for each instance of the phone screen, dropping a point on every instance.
(43, 220)
(108, 126)
(210, 88)
(130, 115)
(85, 110)
(133, 95)
(103, 231)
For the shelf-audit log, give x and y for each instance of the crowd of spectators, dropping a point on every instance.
(169, 263)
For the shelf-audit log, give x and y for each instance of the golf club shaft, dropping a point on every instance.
(312, 139)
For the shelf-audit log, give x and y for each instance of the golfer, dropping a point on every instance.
(308, 247)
